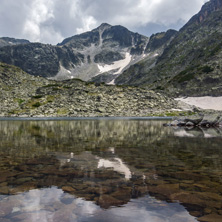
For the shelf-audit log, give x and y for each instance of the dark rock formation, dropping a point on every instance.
(107, 57)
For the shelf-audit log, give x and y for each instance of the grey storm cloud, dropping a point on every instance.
(50, 21)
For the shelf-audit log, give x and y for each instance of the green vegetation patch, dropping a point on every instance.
(207, 69)
(36, 105)
(160, 88)
(190, 73)
(50, 99)
(51, 85)
(216, 49)
(175, 113)
(37, 96)
(183, 76)
(180, 113)
(20, 101)
(186, 77)
(56, 89)
(62, 111)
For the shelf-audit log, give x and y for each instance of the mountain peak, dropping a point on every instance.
(103, 26)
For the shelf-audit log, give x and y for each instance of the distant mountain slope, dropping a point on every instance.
(39, 59)
(4, 41)
(191, 64)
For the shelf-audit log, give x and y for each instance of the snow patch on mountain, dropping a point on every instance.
(63, 74)
(204, 102)
(111, 82)
(120, 65)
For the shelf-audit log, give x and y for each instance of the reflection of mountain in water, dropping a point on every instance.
(78, 135)
(112, 161)
(198, 132)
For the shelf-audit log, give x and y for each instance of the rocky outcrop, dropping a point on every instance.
(207, 9)
(160, 40)
(107, 57)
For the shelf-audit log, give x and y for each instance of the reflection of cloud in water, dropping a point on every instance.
(47, 205)
(183, 133)
(148, 209)
(117, 165)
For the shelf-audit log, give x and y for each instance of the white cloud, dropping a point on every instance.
(51, 21)
(88, 23)
(39, 19)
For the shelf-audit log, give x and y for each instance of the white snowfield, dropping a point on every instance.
(112, 82)
(120, 65)
(205, 102)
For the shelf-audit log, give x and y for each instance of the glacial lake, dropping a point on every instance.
(109, 170)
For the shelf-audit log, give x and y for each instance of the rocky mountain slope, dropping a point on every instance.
(102, 54)
(105, 49)
(191, 64)
(26, 95)
(4, 41)
(39, 59)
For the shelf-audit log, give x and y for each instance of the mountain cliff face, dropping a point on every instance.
(191, 63)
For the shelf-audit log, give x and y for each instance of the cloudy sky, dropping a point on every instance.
(50, 21)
